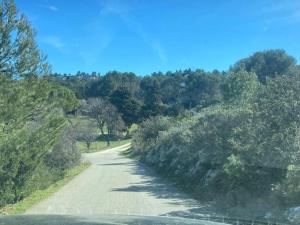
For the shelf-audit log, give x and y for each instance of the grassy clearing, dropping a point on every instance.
(101, 145)
(40, 195)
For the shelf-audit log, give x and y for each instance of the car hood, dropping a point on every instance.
(95, 220)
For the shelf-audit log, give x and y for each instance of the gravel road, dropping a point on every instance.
(114, 184)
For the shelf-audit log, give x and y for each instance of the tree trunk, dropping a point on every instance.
(102, 130)
(88, 145)
(101, 126)
(127, 133)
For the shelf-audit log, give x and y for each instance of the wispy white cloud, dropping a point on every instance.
(96, 37)
(124, 12)
(160, 51)
(53, 41)
(50, 7)
(53, 8)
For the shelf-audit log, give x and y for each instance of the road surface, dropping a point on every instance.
(114, 184)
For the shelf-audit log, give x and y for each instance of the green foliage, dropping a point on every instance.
(126, 105)
(152, 98)
(243, 142)
(19, 55)
(138, 98)
(201, 89)
(31, 121)
(46, 188)
(64, 98)
(32, 111)
(30, 125)
(148, 132)
(267, 64)
(240, 86)
(244, 148)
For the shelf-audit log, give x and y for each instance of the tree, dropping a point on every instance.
(114, 123)
(270, 63)
(32, 113)
(19, 55)
(126, 105)
(107, 116)
(64, 98)
(200, 89)
(86, 132)
(30, 122)
(240, 86)
(97, 109)
(152, 100)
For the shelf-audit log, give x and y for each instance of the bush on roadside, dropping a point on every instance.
(243, 149)
(64, 153)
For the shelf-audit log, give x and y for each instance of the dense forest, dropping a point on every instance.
(230, 136)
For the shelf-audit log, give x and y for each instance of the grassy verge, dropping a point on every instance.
(101, 145)
(40, 195)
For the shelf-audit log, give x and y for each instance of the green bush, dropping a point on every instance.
(245, 148)
(147, 134)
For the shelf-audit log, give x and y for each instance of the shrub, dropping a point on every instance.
(64, 153)
(244, 148)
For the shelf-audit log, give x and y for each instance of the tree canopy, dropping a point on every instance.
(19, 55)
(32, 111)
(270, 63)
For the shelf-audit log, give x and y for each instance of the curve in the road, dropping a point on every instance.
(114, 184)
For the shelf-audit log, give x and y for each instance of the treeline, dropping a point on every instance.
(37, 143)
(170, 93)
(139, 97)
(242, 152)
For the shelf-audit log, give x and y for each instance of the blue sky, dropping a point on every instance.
(145, 36)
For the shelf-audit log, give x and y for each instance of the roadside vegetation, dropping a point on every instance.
(39, 195)
(36, 141)
(229, 137)
(241, 153)
(38, 137)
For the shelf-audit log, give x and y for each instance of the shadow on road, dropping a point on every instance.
(154, 185)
